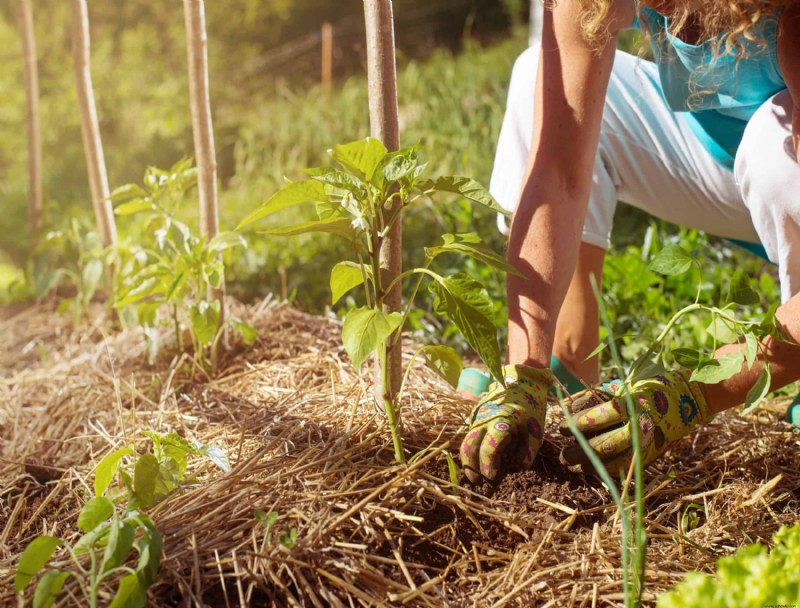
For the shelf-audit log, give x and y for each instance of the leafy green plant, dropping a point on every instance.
(360, 201)
(71, 257)
(149, 478)
(96, 558)
(176, 270)
(723, 326)
(751, 578)
(287, 538)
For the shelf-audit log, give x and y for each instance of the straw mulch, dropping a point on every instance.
(307, 442)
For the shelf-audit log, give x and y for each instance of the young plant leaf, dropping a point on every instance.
(469, 189)
(130, 593)
(226, 240)
(205, 320)
(750, 349)
(247, 331)
(471, 244)
(145, 479)
(344, 277)
(266, 519)
(722, 330)
(90, 279)
(48, 588)
(361, 157)
(216, 455)
(107, 468)
(33, 559)
(135, 206)
(452, 468)
(444, 361)
(740, 290)
(338, 179)
(123, 535)
(333, 225)
(715, 371)
(95, 512)
(289, 539)
(673, 260)
(759, 390)
(364, 329)
(466, 303)
(291, 195)
(687, 357)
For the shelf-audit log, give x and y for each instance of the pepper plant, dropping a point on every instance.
(349, 199)
(175, 270)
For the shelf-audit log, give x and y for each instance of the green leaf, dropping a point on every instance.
(751, 349)
(740, 290)
(452, 468)
(364, 329)
(205, 320)
(267, 519)
(130, 593)
(33, 559)
(723, 331)
(598, 349)
(466, 303)
(469, 189)
(361, 157)
(91, 539)
(471, 244)
(227, 240)
(90, 279)
(48, 588)
(117, 550)
(444, 361)
(95, 512)
(759, 390)
(292, 194)
(687, 357)
(216, 455)
(647, 365)
(145, 479)
(135, 206)
(714, 371)
(289, 540)
(344, 277)
(247, 331)
(334, 225)
(337, 179)
(671, 261)
(396, 165)
(128, 191)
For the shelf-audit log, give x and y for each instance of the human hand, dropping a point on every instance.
(669, 407)
(505, 428)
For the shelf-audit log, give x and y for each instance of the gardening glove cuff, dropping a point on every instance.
(505, 428)
(669, 407)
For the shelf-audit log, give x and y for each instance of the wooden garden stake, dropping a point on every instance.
(90, 128)
(382, 76)
(25, 18)
(203, 132)
(327, 56)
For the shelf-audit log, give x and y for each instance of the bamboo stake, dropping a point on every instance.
(382, 76)
(327, 56)
(35, 205)
(90, 127)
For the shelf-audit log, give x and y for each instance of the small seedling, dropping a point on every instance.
(96, 558)
(360, 200)
(150, 478)
(175, 270)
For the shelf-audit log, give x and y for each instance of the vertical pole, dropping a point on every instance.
(382, 77)
(327, 56)
(25, 18)
(90, 127)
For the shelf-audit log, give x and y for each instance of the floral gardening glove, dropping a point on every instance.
(670, 406)
(505, 428)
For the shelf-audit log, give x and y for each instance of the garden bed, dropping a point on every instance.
(306, 441)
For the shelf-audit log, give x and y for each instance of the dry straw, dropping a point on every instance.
(306, 441)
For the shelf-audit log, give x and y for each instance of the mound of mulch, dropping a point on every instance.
(306, 441)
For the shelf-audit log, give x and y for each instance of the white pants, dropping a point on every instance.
(649, 158)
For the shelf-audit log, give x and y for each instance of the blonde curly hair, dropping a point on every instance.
(728, 22)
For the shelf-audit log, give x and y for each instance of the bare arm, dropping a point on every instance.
(545, 232)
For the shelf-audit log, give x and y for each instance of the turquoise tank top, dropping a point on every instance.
(719, 95)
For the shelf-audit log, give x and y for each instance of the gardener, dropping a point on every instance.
(707, 136)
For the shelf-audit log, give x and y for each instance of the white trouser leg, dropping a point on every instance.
(769, 178)
(647, 157)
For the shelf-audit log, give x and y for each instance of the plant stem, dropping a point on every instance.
(392, 416)
(178, 337)
(421, 272)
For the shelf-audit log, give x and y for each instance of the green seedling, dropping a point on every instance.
(176, 271)
(149, 478)
(96, 559)
(70, 257)
(288, 538)
(360, 200)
